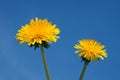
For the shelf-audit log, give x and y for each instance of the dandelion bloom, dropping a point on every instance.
(37, 32)
(90, 50)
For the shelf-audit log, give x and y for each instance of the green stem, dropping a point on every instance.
(83, 70)
(44, 62)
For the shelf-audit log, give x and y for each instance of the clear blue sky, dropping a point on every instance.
(77, 19)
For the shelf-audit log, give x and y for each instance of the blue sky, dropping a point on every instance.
(77, 19)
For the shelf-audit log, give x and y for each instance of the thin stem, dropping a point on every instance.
(83, 70)
(44, 62)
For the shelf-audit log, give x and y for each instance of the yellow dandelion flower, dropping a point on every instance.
(90, 50)
(37, 32)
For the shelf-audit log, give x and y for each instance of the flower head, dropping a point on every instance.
(90, 50)
(38, 32)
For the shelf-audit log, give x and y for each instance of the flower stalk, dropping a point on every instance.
(44, 62)
(83, 70)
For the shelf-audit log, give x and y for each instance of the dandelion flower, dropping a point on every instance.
(37, 32)
(90, 50)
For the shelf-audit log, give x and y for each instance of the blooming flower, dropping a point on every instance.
(38, 32)
(90, 50)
